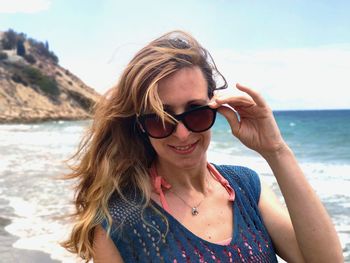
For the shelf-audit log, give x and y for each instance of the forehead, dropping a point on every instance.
(183, 86)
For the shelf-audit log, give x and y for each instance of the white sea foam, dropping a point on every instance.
(254, 162)
(330, 181)
(38, 229)
(31, 156)
(327, 179)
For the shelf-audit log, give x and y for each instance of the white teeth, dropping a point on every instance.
(183, 148)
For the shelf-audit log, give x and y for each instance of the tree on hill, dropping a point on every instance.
(42, 50)
(9, 40)
(14, 40)
(21, 50)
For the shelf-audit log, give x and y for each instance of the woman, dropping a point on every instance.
(147, 193)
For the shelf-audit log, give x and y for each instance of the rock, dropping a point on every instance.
(41, 90)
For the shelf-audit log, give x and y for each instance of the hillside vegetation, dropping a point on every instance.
(34, 87)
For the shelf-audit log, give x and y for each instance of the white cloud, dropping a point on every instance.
(23, 6)
(106, 68)
(292, 78)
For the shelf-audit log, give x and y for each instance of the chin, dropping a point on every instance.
(189, 162)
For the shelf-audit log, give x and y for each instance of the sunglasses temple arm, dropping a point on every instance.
(139, 125)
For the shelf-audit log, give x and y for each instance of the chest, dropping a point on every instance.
(214, 221)
(196, 237)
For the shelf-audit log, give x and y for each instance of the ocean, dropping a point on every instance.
(34, 201)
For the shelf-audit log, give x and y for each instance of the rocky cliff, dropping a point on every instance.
(34, 87)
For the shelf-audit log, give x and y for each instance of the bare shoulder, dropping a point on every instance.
(104, 248)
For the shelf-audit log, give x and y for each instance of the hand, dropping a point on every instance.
(257, 128)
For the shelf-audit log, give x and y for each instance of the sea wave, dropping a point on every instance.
(331, 182)
(35, 202)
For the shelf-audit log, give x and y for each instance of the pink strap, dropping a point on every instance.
(159, 183)
(225, 242)
(223, 181)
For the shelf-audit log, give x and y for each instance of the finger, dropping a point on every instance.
(212, 103)
(237, 101)
(216, 97)
(232, 118)
(258, 99)
(232, 101)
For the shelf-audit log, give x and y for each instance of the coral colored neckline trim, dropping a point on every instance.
(159, 183)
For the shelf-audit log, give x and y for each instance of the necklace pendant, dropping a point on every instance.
(194, 211)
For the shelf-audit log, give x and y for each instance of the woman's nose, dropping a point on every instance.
(181, 131)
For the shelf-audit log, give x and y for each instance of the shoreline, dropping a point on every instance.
(10, 254)
(15, 255)
(33, 200)
(40, 120)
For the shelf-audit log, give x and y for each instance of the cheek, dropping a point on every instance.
(157, 144)
(207, 137)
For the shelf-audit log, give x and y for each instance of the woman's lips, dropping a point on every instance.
(184, 149)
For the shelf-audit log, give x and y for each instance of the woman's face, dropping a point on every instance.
(179, 92)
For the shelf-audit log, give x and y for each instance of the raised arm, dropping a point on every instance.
(308, 235)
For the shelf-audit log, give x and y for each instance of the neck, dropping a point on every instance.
(185, 180)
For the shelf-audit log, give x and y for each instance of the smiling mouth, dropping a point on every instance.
(184, 149)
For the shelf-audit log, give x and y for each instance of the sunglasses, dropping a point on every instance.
(198, 119)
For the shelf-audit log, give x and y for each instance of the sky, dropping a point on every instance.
(296, 53)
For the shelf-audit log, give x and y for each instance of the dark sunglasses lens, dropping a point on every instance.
(155, 128)
(200, 120)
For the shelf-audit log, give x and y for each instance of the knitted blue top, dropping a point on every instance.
(146, 237)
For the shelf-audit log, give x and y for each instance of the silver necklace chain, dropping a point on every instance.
(194, 209)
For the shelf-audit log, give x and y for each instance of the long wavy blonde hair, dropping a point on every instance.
(114, 156)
